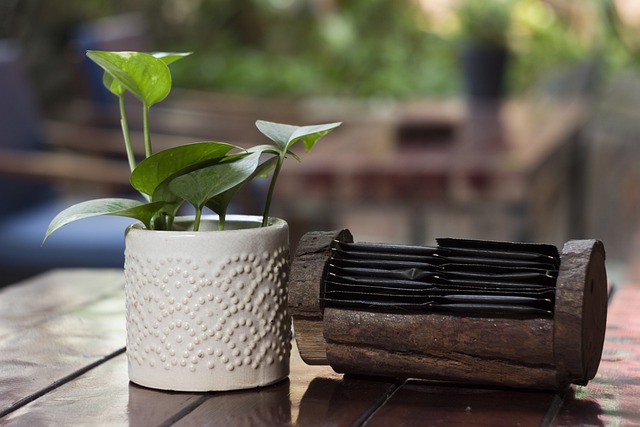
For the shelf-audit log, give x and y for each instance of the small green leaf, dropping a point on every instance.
(110, 206)
(170, 57)
(286, 135)
(112, 84)
(117, 89)
(277, 132)
(152, 171)
(202, 184)
(309, 135)
(265, 148)
(145, 76)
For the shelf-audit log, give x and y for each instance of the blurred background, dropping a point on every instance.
(494, 119)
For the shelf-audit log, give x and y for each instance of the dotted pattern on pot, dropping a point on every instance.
(230, 315)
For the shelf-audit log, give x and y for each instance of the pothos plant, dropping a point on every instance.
(204, 174)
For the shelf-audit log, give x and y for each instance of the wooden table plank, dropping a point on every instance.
(613, 397)
(103, 397)
(419, 403)
(62, 327)
(28, 303)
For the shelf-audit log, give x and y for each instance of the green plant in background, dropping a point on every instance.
(542, 41)
(204, 174)
(486, 22)
(363, 49)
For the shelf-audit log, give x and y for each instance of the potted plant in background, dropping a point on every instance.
(485, 27)
(205, 294)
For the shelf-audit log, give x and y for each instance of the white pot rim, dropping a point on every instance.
(235, 223)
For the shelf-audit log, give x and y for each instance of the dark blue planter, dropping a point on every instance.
(484, 72)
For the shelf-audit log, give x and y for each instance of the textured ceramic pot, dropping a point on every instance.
(207, 310)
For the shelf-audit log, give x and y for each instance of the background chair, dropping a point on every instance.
(34, 187)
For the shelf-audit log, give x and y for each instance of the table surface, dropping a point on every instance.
(63, 362)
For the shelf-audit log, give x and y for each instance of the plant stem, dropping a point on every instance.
(196, 223)
(272, 185)
(125, 134)
(145, 127)
(222, 219)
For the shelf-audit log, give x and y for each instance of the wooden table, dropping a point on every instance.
(62, 362)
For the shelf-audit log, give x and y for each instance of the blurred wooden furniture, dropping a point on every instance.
(62, 341)
(437, 168)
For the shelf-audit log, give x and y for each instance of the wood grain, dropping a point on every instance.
(478, 350)
(54, 325)
(103, 397)
(580, 311)
(428, 404)
(27, 304)
(306, 285)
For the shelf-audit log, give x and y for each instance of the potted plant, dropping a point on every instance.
(485, 27)
(206, 295)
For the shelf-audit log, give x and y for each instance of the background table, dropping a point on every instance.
(62, 362)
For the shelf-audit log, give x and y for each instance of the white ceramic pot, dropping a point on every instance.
(207, 310)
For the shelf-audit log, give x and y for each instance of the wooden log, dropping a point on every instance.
(509, 350)
(462, 369)
(444, 335)
(580, 311)
(306, 285)
(308, 334)
(483, 350)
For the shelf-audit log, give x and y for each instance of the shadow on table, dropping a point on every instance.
(579, 411)
(446, 404)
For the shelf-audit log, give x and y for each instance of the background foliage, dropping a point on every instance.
(351, 48)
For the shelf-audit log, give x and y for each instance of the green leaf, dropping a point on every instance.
(286, 135)
(170, 57)
(278, 133)
(220, 202)
(110, 206)
(265, 148)
(112, 84)
(152, 171)
(309, 135)
(117, 89)
(145, 76)
(199, 186)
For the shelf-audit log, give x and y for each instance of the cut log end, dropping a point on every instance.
(306, 285)
(581, 311)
